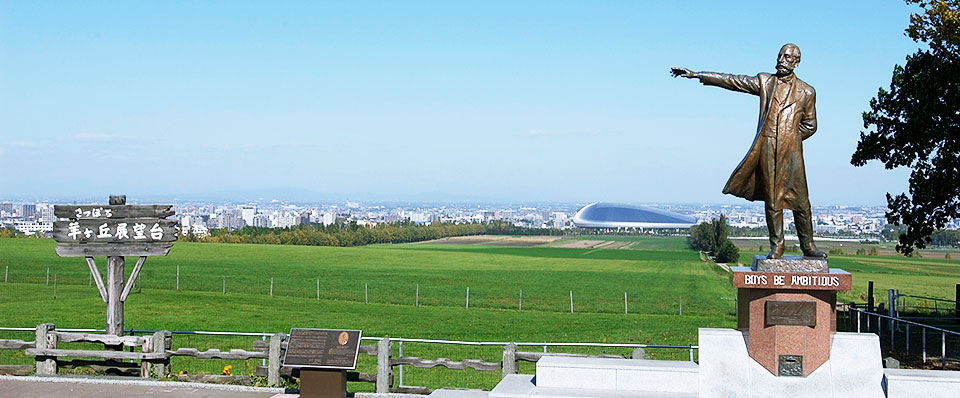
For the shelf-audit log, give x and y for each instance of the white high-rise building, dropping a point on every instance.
(247, 212)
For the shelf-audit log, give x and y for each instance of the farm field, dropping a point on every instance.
(658, 274)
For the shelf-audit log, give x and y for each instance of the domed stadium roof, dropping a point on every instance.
(611, 215)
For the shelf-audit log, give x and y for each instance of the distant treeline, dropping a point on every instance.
(352, 234)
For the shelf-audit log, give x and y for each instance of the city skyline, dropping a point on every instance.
(486, 102)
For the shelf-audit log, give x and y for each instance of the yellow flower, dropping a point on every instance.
(226, 369)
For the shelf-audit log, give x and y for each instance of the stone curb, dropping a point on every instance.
(152, 383)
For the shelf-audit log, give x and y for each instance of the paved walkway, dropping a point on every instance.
(101, 387)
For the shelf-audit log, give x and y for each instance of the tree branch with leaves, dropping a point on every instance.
(916, 124)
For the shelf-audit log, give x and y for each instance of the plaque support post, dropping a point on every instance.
(320, 383)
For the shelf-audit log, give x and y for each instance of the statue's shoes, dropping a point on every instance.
(776, 253)
(814, 253)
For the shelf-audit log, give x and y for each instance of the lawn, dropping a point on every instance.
(655, 281)
(374, 288)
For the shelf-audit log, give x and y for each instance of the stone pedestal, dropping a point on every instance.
(788, 307)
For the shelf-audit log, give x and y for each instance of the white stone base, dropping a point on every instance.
(577, 377)
(907, 383)
(727, 371)
(617, 374)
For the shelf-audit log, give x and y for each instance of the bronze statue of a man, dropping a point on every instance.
(772, 171)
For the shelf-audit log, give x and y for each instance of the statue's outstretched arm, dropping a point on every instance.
(742, 83)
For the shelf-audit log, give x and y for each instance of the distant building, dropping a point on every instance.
(33, 227)
(28, 210)
(246, 213)
(610, 215)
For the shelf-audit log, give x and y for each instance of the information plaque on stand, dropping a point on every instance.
(323, 356)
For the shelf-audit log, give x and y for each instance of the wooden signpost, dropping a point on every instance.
(114, 231)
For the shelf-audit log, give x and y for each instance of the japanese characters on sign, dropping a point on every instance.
(145, 230)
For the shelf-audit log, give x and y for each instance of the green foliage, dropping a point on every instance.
(915, 124)
(701, 238)
(945, 238)
(719, 231)
(861, 251)
(874, 251)
(836, 250)
(711, 237)
(10, 233)
(728, 252)
(352, 234)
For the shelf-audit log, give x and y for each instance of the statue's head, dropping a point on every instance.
(788, 59)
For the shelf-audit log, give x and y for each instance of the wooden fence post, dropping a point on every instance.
(46, 338)
(384, 370)
(273, 360)
(155, 343)
(509, 361)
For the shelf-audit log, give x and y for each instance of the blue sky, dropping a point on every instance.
(512, 101)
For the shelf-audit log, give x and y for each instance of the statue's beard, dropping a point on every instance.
(783, 70)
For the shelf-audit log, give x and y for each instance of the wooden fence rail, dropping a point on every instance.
(155, 352)
(18, 345)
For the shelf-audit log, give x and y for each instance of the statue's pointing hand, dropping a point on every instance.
(683, 72)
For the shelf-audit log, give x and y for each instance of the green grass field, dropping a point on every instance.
(656, 273)
(654, 281)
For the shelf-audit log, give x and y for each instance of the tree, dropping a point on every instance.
(728, 252)
(711, 237)
(719, 231)
(701, 237)
(916, 124)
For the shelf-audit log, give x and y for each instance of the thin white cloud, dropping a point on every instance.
(94, 137)
(541, 132)
(23, 144)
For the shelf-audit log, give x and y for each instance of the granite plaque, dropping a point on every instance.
(322, 349)
(791, 313)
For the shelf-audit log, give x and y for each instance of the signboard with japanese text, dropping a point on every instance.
(115, 230)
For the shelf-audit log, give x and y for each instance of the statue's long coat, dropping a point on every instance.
(786, 185)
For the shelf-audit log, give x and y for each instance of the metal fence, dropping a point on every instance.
(905, 337)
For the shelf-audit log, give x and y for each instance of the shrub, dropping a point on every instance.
(728, 252)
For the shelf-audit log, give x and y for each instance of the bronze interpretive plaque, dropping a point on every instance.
(791, 365)
(322, 348)
(791, 313)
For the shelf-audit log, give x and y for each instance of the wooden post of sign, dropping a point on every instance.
(115, 265)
